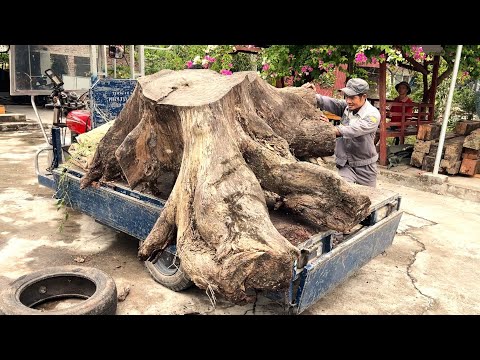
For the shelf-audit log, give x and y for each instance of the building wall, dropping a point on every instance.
(68, 51)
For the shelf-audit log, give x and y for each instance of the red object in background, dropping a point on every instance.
(78, 121)
(340, 80)
(398, 108)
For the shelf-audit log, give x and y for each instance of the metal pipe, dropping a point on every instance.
(30, 67)
(114, 68)
(141, 59)
(11, 60)
(99, 61)
(447, 109)
(37, 167)
(38, 118)
(253, 62)
(93, 62)
(132, 61)
(105, 65)
(57, 147)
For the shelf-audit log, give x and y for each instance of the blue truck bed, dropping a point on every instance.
(326, 259)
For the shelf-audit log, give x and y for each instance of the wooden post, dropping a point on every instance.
(382, 94)
(402, 127)
(433, 88)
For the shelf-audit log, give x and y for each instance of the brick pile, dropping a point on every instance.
(460, 153)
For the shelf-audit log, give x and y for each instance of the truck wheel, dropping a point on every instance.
(167, 270)
(96, 288)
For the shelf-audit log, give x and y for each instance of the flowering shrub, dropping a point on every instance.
(298, 64)
(295, 65)
(215, 57)
(417, 53)
(361, 58)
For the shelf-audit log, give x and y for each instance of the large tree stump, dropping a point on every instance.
(214, 145)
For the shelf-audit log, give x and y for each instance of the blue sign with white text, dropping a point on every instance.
(108, 97)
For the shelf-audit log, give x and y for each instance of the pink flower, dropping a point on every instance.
(307, 69)
(230, 65)
(381, 56)
(189, 64)
(329, 52)
(360, 58)
(225, 72)
(209, 59)
(265, 67)
(418, 56)
(374, 60)
(417, 49)
(417, 53)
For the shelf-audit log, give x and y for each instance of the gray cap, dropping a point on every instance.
(355, 86)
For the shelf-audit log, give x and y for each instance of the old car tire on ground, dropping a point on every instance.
(167, 270)
(97, 288)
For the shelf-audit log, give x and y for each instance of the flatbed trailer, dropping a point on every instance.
(326, 258)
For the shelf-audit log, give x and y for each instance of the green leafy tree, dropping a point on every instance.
(317, 63)
(463, 102)
(215, 57)
(293, 65)
(4, 58)
(173, 59)
(294, 60)
(464, 97)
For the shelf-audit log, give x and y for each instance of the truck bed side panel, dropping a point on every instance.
(122, 212)
(327, 271)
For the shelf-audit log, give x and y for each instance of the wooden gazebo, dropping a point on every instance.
(423, 113)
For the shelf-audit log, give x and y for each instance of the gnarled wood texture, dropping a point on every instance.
(220, 143)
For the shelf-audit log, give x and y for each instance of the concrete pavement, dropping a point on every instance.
(431, 267)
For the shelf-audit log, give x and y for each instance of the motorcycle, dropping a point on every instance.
(70, 110)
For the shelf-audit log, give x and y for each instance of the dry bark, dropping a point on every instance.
(214, 145)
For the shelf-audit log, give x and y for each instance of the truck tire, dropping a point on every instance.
(167, 270)
(94, 286)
